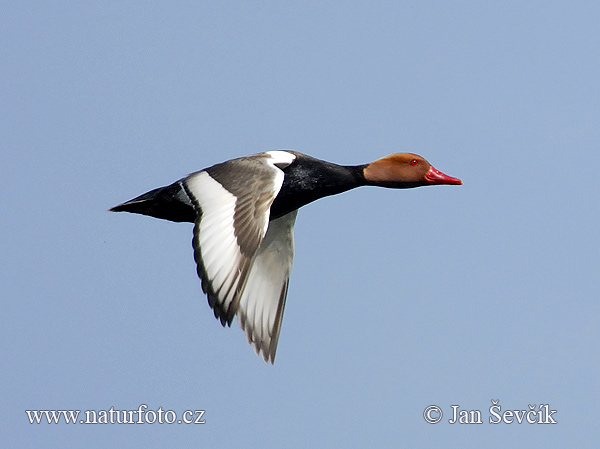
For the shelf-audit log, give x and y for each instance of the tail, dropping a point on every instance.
(168, 203)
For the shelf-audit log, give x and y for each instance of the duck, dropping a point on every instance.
(244, 210)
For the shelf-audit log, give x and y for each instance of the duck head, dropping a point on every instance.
(405, 170)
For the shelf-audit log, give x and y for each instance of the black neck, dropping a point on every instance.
(308, 179)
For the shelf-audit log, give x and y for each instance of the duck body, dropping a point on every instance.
(244, 211)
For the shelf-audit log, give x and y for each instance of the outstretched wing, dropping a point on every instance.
(233, 201)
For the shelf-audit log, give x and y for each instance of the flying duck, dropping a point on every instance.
(243, 212)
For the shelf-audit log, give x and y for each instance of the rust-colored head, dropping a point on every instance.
(405, 170)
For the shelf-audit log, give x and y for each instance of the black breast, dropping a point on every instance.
(307, 179)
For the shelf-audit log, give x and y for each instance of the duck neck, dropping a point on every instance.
(307, 181)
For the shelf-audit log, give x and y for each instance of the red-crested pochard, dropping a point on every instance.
(243, 212)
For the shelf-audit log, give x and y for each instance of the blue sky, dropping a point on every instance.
(398, 299)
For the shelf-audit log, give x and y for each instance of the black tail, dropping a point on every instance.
(169, 203)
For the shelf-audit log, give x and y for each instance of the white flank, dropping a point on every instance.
(280, 158)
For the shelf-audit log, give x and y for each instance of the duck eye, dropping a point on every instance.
(414, 162)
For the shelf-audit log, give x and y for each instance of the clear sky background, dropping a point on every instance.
(451, 295)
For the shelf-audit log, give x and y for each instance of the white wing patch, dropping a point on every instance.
(263, 299)
(215, 243)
